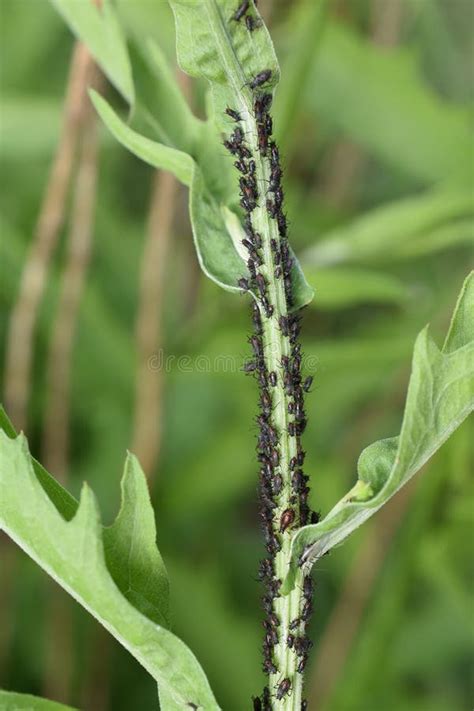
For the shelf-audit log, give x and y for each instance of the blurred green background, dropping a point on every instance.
(374, 118)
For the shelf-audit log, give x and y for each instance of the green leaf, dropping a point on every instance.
(378, 98)
(340, 287)
(132, 538)
(399, 230)
(99, 29)
(116, 574)
(213, 46)
(167, 110)
(440, 396)
(156, 154)
(215, 241)
(228, 56)
(11, 701)
(207, 175)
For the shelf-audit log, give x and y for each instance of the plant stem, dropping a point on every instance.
(284, 503)
(275, 346)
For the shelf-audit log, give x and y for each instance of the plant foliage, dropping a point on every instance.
(440, 397)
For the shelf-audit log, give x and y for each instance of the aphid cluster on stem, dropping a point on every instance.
(283, 493)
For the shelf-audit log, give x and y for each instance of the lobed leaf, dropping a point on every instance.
(116, 573)
(11, 701)
(440, 396)
(100, 30)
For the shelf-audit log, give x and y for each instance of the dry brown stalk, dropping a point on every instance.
(59, 362)
(148, 389)
(20, 337)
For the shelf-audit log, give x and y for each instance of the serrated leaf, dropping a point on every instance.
(11, 701)
(98, 27)
(105, 572)
(131, 538)
(440, 396)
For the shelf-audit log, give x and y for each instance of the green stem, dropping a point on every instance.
(276, 345)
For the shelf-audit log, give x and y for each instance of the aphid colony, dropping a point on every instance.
(279, 513)
(241, 13)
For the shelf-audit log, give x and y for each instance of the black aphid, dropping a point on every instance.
(283, 323)
(269, 667)
(281, 221)
(256, 258)
(307, 610)
(233, 114)
(252, 23)
(302, 664)
(243, 152)
(241, 10)
(243, 283)
(248, 187)
(277, 484)
(286, 519)
(302, 646)
(268, 307)
(257, 240)
(274, 153)
(232, 147)
(274, 458)
(256, 344)
(271, 208)
(308, 586)
(272, 378)
(283, 688)
(308, 383)
(260, 78)
(261, 105)
(241, 166)
(249, 367)
(265, 568)
(261, 284)
(247, 203)
(266, 699)
(252, 267)
(273, 619)
(278, 197)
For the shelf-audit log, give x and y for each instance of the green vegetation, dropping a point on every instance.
(373, 120)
